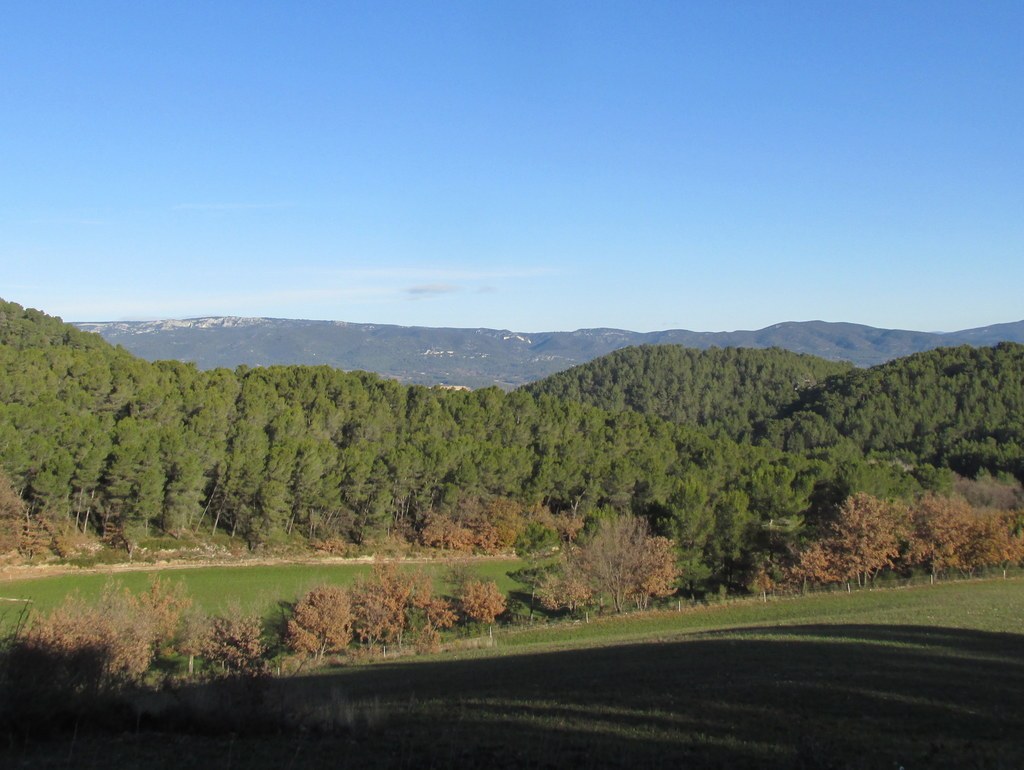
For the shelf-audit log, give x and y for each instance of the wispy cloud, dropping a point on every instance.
(431, 290)
(292, 293)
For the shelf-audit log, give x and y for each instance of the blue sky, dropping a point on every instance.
(524, 165)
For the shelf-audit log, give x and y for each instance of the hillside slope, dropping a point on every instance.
(482, 357)
(959, 407)
(727, 391)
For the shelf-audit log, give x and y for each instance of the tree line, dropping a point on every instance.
(97, 443)
(87, 649)
(937, 534)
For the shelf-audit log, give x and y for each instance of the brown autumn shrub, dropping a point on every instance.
(379, 604)
(83, 647)
(428, 613)
(443, 532)
(12, 516)
(165, 602)
(508, 520)
(866, 536)
(235, 643)
(565, 588)
(322, 622)
(486, 537)
(481, 600)
(194, 635)
(656, 571)
(990, 541)
(813, 564)
(569, 526)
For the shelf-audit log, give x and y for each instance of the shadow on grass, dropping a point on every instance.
(803, 696)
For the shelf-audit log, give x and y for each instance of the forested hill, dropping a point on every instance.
(483, 357)
(100, 443)
(26, 328)
(102, 446)
(960, 407)
(729, 391)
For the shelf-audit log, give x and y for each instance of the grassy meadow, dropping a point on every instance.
(256, 587)
(929, 676)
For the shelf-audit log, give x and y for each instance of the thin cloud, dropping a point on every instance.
(334, 293)
(431, 290)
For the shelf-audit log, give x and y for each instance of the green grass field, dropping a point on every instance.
(258, 587)
(931, 676)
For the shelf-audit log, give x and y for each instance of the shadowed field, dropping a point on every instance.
(813, 695)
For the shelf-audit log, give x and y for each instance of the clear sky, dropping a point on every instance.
(534, 166)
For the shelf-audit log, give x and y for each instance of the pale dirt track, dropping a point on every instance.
(16, 572)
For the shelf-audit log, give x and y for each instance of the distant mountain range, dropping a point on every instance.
(481, 357)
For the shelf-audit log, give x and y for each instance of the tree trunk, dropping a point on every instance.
(209, 502)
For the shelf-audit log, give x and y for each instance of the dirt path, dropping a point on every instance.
(16, 572)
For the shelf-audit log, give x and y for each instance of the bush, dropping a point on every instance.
(235, 641)
(322, 622)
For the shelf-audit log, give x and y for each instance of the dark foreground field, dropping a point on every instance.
(814, 695)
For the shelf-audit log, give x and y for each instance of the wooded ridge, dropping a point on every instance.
(741, 458)
(482, 357)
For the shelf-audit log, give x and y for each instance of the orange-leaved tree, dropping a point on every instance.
(656, 573)
(13, 516)
(235, 641)
(322, 622)
(379, 606)
(481, 600)
(565, 588)
(940, 533)
(429, 613)
(864, 538)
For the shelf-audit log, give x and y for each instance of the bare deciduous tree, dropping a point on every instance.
(623, 561)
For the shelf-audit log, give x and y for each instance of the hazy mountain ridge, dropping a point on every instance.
(479, 357)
